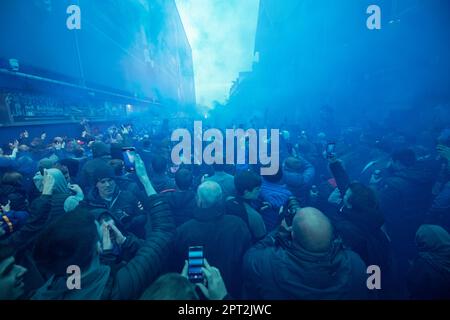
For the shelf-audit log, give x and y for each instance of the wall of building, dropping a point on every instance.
(132, 48)
(314, 53)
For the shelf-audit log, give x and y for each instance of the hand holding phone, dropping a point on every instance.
(330, 151)
(129, 158)
(215, 289)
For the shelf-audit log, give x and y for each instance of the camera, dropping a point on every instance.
(290, 209)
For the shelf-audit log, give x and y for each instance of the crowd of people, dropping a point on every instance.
(308, 232)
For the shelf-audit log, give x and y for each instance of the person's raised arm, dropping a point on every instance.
(147, 264)
(339, 174)
(39, 214)
(141, 172)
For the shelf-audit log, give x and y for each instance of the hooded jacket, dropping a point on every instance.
(429, 276)
(274, 272)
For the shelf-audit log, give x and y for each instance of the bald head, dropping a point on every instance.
(312, 230)
(209, 193)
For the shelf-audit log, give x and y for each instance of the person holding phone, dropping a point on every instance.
(122, 205)
(195, 264)
(129, 155)
(175, 286)
(224, 238)
(330, 150)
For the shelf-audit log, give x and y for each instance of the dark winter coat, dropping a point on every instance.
(129, 280)
(182, 204)
(273, 272)
(405, 197)
(225, 239)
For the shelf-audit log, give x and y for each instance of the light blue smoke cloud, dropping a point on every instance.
(222, 37)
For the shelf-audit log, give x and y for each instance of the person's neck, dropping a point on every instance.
(107, 197)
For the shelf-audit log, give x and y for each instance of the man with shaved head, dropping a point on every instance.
(225, 238)
(312, 230)
(304, 261)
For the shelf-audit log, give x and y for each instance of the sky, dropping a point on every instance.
(222, 37)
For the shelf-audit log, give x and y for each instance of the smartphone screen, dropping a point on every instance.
(195, 264)
(330, 149)
(129, 155)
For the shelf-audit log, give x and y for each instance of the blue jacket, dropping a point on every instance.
(299, 181)
(276, 195)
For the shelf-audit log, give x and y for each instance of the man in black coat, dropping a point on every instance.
(304, 263)
(359, 223)
(182, 201)
(225, 238)
(123, 206)
(160, 180)
(405, 196)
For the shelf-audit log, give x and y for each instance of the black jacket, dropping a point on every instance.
(124, 208)
(426, 283)
(162, 183)
(43, 211)
(405, 197)
(429, 275)
(439, 212)
(286, 272)
(225, 239)
(182, 204)
(131, 278)
(361, 230)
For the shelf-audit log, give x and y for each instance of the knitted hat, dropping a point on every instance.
(104, 172)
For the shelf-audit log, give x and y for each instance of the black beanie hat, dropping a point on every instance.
(104, 172)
